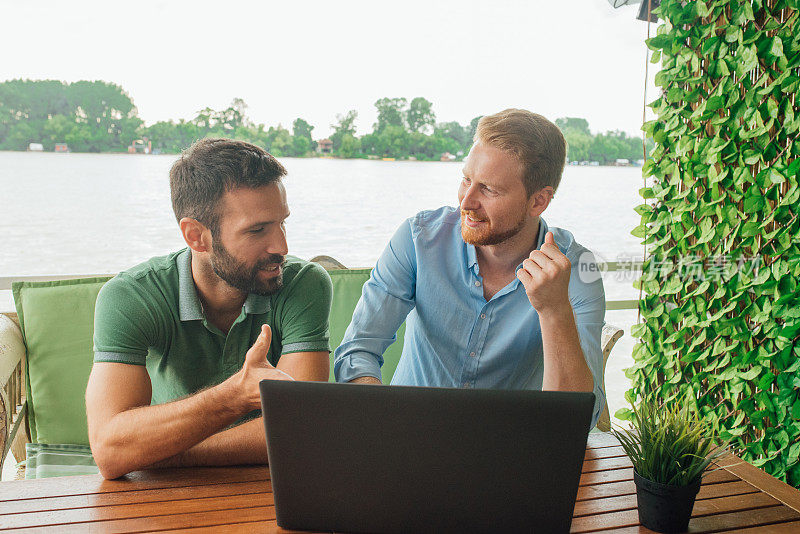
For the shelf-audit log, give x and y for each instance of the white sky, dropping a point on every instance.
(315, 59)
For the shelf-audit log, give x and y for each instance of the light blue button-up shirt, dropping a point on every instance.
(430, 277)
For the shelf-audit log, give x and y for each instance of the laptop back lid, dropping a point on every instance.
(361, 458)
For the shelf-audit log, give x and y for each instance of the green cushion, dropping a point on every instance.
(346, 292)
(58, 460)
(57, 320)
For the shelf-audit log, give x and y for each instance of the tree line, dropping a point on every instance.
(100, 116)
(583, 145)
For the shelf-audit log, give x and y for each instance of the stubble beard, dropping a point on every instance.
(237, 275)
(487, 236)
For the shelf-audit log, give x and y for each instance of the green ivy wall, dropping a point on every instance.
(720, 306)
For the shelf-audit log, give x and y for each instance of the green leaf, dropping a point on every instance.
(623, 414)
(752, 373)
(714, 103)
(715, 176)
(772, 108)
(659, 41)
(766, 381)
(748, 59)
(794, 452)
(638, 330)
(790, 84)
(776, 177)
(776, 49)
(754, 204)
(747, 11)
(706, 230)
(639, 231)
(751, 157)
(750, 229)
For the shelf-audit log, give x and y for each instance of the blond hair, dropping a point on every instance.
(535, 141)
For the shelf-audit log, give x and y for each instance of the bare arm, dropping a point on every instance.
(245, 443)
(306, 366)
(545, 275)
(366, 380)
(565, 367)
(126, 433)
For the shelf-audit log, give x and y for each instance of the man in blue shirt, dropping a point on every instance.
(492, 297)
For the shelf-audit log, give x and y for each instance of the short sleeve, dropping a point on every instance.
(304, 317)
(122, 323)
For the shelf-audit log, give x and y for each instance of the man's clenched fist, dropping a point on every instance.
(545, 275)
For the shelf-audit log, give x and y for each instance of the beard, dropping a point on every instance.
(488, 235)
(237, 274)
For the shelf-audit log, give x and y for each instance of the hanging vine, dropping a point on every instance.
(721, 311)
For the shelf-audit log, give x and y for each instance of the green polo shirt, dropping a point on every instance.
(151, 315)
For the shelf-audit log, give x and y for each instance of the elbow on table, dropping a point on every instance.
(110, 470)
(111, 475)
(109, 459)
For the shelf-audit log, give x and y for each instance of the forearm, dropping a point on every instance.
(143, 436)
(565, 367)
(239, 445)
(366, 380)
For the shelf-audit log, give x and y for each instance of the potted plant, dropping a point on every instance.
(670, 449)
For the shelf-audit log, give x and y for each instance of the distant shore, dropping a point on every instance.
(327, 156)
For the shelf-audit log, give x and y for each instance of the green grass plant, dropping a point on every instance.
(668, 443)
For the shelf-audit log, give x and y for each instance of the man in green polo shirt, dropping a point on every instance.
(182, 341)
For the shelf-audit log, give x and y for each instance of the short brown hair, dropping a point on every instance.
(209, 168)
(534, 140)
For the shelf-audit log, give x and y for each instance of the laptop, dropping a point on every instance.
(364, 458)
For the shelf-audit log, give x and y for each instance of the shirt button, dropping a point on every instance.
(483, 316)
(472, 354)
(477, 284)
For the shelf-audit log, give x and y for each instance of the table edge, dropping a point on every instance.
(775, 488)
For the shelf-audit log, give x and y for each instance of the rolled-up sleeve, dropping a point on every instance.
(386, 299)
(588, 300)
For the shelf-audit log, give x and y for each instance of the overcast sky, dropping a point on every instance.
(315, 59)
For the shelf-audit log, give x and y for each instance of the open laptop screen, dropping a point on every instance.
(364, 458)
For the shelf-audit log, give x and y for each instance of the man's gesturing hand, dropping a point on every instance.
(257, 368)
(545, 275)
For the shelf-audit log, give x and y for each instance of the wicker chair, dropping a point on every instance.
(608, 338)
(13, 405)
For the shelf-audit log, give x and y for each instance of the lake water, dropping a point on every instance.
(72, 213)
(97, 213)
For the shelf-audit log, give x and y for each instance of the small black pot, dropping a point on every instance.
(664, 508)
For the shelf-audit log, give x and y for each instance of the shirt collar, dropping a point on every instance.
(543, 229)
(189, 307)
(472, 256)
(256, 304)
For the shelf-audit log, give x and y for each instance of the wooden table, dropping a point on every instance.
(737, 498)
